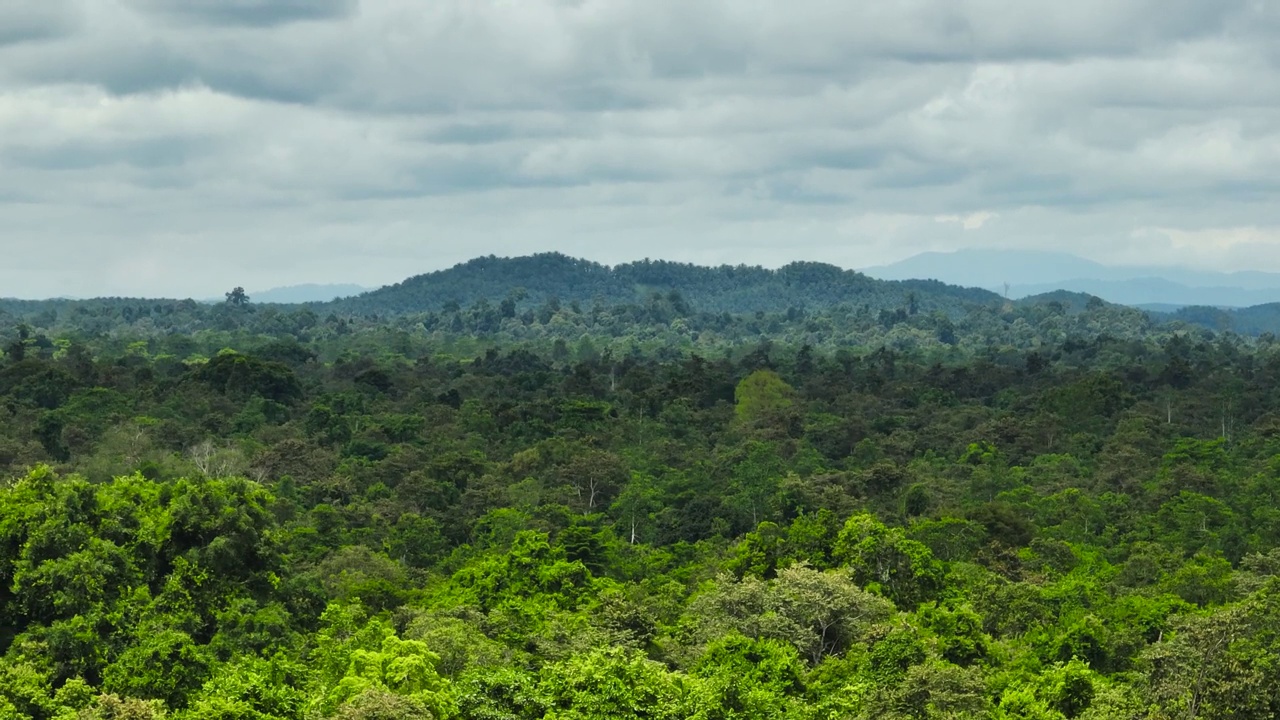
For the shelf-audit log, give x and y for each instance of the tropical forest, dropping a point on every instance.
(539, 487)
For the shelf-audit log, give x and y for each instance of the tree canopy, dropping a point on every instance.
(555, 507)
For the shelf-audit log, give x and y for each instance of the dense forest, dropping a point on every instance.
(802, 494)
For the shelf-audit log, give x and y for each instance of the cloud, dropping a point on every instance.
(1220, 248)
(251, 13)
(191, 145)
(972, 221)
(36, 21)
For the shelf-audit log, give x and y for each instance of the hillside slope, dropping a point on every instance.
(535, 279)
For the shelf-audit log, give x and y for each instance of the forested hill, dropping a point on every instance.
(481, 296)
(734, 289)
(1255, 320)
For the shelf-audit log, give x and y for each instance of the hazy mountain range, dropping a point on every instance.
(1030, 272)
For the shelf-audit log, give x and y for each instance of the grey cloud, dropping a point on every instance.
(16, 197)
(1039, 188)
(392, 136)
(75, 154)
(258, 86)
(856, 157)
(147, 67)
(791, 190)
(252, 13)
(909, 175)
(435, 178)
(473, 134)
(1260, 190)
(155, 65)
(35, 21)
(401, 56)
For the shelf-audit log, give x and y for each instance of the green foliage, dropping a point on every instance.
(750, 678)
(605, 497)
(240, 375)
(884, 560)
(612, 683)
(764, 401)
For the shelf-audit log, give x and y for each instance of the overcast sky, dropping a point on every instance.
(181, 147)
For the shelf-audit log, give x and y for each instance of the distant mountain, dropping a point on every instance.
(306, 293)
(991, 269)
(1034, 272)
(1147, 291)
(535, 279)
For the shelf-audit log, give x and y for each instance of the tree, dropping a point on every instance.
(237, 297)
(818, 613)
(766, 403)
(594, 476)
(249, 688)
(113, 707)
(17, 350)
(832, 611)
(750, 678)
(357, 663)
(613, 683)
(756, 480)
(883, 559)
(933, 690)
(167, 665)
(400, 667)
(636, 504)
(1222, 664)
(378, 704)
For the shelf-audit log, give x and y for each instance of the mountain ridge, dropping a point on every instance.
(1020, 273)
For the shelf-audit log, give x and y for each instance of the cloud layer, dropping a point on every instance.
(179, 147)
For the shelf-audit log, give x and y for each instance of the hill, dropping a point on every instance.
(1254, 320)
(1147, 291)
(1074, 302)
(736, 289)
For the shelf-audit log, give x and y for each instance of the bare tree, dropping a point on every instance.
(215, 461)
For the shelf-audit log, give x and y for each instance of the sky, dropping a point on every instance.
(179, 148)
